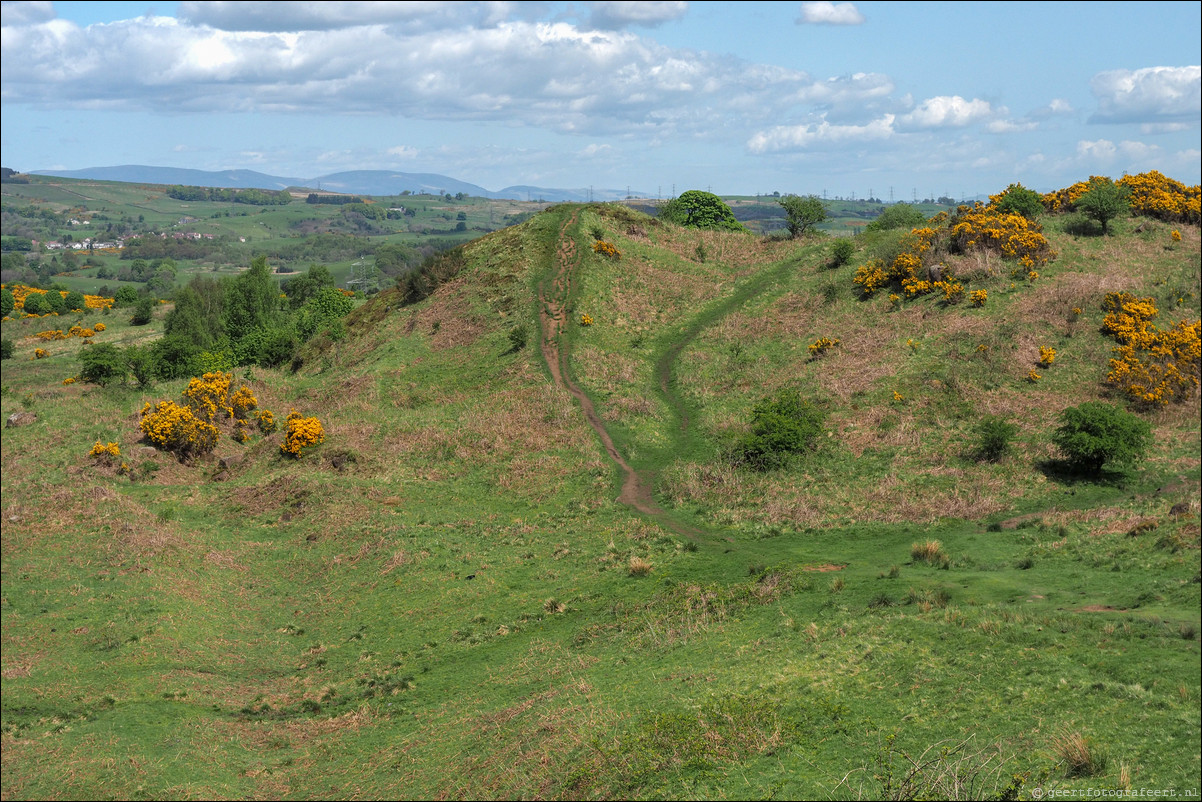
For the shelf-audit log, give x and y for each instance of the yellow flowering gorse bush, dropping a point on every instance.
(175, 428)
(302, 433)
(819, 347)
(606, 249)
(1152, 366)
(105, 453)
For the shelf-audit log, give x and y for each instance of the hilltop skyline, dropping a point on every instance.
(887, 99)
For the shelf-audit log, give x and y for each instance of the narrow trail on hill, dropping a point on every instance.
(637, 486)
(553, 296)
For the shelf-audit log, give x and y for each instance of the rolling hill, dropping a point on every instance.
(528, 561)
(360, 182)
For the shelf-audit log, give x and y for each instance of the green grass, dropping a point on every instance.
(440, 600)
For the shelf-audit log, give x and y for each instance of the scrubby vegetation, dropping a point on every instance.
(769, 523)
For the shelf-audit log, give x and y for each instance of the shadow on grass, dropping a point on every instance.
(1065, 473)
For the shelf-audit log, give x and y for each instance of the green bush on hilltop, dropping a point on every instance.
(1095, 434)
(782, 427)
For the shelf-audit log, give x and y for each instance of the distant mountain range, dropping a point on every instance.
(357, 182)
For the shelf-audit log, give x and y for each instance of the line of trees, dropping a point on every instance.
(255, 197)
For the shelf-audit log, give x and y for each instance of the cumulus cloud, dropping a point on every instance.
(1148, 95)
(946, 111)
(1011, 126)
(1059, 107)
(1104, 152)
(549, 75)
(826, 13)
(14, 13)
(618, 14)
(286, 16)
(858, 89)
(403, 152)
(822, 134)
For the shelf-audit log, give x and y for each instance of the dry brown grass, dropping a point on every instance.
(637, 566)
(1078, 755)
(930, 552)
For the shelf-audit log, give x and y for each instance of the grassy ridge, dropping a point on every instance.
(440, 601)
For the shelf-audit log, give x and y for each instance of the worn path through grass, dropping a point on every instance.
(638, 482)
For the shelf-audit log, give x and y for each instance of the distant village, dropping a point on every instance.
(97, 244)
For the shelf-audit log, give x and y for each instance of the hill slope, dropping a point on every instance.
(453, 596)
(360, 182)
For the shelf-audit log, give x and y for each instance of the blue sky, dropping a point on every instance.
(891, 98)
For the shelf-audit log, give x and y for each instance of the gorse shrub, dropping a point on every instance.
(1095, 434)
(174, 427)
(1151, 366)
(302, 433)
(517, 339)
(606, 249)
(992, 437)
(103, 364)
(819, 347)
(842, 251)
(782, 427)
(1017, 199)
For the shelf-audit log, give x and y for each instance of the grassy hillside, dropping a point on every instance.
(469, 591)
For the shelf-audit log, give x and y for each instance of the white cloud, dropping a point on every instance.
(595, 150)
(826, 13)
(1162, 128)
(1059, 107)
(1106, 151)
(553, 76)
(1100, 149)
(1011, 126)
(14, 13)
(617, 14)
(403, 152)
(283, 16)
(945, 111)
(804, 137)
(1148, 95)
(856, 89)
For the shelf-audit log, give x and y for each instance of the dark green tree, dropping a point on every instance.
(143, 312)
(140, 361)
(7, 302)
(174, 357)
(251, 301)
(697, 209)
(1104, 201)
(1095, 434)
(326, 307)
(197, 316)
(803, 213)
